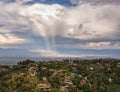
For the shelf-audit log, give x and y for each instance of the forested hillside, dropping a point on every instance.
(98, 75)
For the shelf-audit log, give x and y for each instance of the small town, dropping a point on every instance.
(97, 75)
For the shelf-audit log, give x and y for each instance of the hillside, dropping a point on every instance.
(98, 75)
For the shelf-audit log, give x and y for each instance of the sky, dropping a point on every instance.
(60, 28)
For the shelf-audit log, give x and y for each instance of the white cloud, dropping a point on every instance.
(43, 17)
(10, 39)
(93, 22)
(93, 44)
(81, 22)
